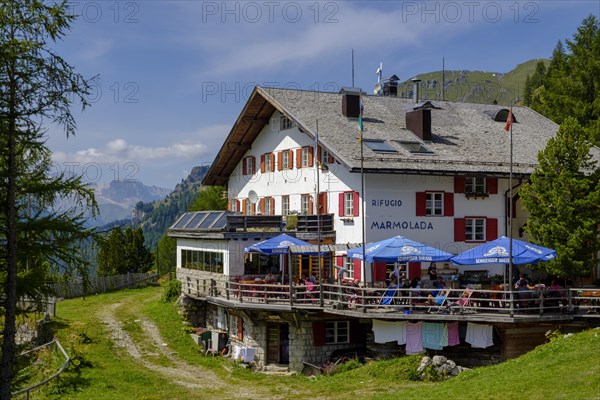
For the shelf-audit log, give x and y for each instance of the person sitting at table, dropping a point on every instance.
(523, 291)
(438, 285)
(313, 278)
(270, 278)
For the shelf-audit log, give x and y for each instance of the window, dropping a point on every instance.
(434, 203)
(379, 146)
(325, 157)
(305, 157)
(349, 204)
(285, 159)
(285, 123)
(233, 205)
(202, 260)
(249, 208)
(306, 204)
(269, 206)
(268, 163)
(475, 229)
(349, 265)
(285, 205)
(248, 166)
(337, 332)
(414, 147)
(475, 184)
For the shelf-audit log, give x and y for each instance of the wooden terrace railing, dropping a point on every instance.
(576, 301)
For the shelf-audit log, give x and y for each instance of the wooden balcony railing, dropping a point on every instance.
(485, 303)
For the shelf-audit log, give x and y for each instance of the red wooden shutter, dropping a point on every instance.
(310, 205)
(357, 269)
(319, 155)
(261, 205)
(244, 171)
(341, 207)
(420, 199)
(492, 185)
(491, 229)
(459, 230)
(339, 261)
(254, 209)
(237, 204)
(228, 205)
(244, 206)
(272, 200)
(322, 203)
(380, 272)
(318, 333)
(272, 157)
(356, 332)
(448, 204)
(311, 156)
(253, 165)
(329, 159)
(240, 329)
(299, 158)
(280, 161)
(356, 202)
(459, 184)
(262, 163)
(414, 270)
(290, 159)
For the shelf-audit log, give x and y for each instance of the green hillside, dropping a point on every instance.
(156, 217)
(474, 86)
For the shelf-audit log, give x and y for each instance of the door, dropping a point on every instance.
(278, 343)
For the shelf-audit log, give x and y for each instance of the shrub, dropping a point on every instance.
(172, 291)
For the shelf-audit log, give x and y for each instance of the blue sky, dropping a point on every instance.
(174, 75)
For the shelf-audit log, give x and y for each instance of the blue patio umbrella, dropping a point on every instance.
(399, 249)
(276, 245)
(497, 252)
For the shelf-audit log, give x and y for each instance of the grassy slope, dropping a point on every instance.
(566, 368)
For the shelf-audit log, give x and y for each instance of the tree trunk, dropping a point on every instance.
(10, 287)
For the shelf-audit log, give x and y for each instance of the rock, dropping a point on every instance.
(455, 371)
(444, 369)
(451, 363)
(426, 360)
(439, 360)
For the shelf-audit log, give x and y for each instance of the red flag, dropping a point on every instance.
(508, 120)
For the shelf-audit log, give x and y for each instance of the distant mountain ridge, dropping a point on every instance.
(116, 199)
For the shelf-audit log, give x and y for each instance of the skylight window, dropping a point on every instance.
(379, 146)
(415, 147)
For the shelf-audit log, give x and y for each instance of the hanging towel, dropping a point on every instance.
(453, 337)
(414, 339)
(444, 336)
(479, 336)
(389, 331)
(432, 335)
(385, 331)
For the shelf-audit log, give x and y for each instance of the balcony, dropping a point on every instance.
(405, 304)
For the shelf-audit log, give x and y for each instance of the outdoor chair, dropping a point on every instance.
(440, 301)
(464, 304)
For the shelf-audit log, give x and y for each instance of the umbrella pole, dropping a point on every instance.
(510, 230)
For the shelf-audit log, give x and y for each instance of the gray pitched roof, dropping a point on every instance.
(465, 139)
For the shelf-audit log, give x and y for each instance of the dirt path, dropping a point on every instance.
(181, 373)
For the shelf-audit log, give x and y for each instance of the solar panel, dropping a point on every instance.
(183, 220)
(210, 218)
(198, 217)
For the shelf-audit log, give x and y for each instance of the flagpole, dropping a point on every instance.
(362, 189)
(318, 203)
(510, 212)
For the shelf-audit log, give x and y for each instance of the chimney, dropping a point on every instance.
(416, 81)
(350, 102)
(419, 123)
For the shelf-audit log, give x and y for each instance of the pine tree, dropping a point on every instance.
(36, 86)
(562, 198)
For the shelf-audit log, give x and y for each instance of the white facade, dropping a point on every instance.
(391, 199)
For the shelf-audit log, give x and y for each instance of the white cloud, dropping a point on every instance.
(196, 146)
(96, 49)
